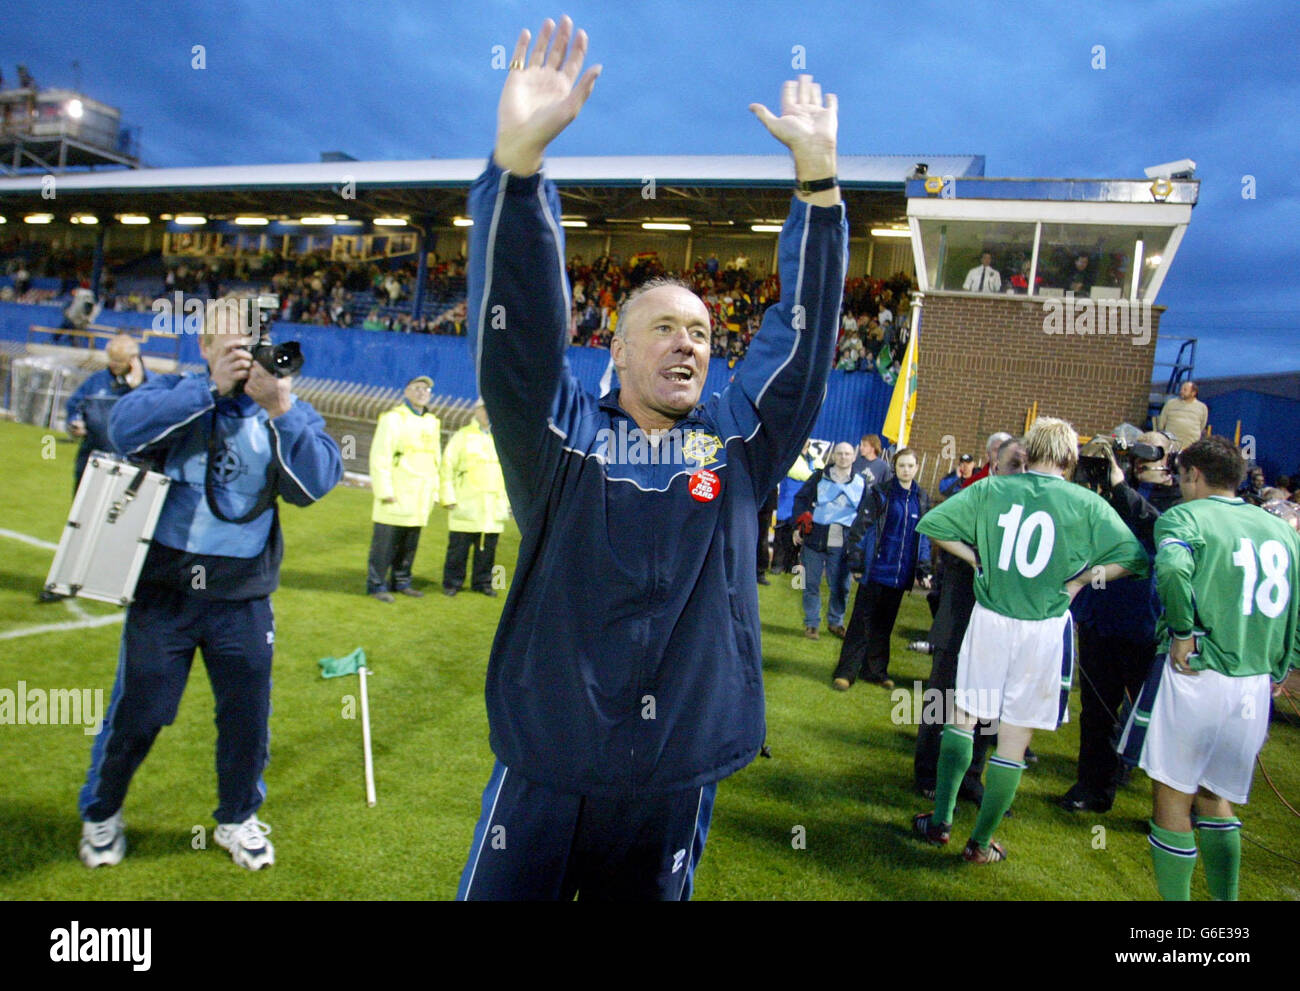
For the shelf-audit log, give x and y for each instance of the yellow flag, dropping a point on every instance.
(902, 406)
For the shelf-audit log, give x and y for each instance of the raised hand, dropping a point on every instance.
(807, 126)
(542, 95)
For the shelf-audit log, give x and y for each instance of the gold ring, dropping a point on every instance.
(516, 64)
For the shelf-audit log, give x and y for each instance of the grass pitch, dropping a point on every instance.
(826, 818)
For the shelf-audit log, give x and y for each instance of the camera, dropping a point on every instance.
(281, 360)
(1093, 470)
(1148, 453)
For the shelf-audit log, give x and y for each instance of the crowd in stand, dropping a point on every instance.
(734, 296)
(313, 288)
(874, 324)
(873, 328)
(316, 289)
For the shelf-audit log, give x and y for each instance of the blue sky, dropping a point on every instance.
(1215, 82)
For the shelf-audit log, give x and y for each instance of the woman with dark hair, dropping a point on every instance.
(886, 555)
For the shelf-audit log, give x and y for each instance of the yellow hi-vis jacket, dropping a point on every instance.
(472, 479)
(404, 459)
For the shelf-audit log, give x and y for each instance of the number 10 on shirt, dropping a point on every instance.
(1018, 538)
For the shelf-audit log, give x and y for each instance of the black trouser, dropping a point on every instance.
(1108, 667)
(932, 599)
(485, 551)
(79, 466)
(925, 765)
(785, 555)
(764, 525)
(391, 547)
(865, 650)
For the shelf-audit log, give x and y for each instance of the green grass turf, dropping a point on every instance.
(841, 768)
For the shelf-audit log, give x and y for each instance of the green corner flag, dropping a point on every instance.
(338, 667)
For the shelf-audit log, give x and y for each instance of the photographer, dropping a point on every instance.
(232, 441)
(79, 314)
(89, 407)
(1116, 622)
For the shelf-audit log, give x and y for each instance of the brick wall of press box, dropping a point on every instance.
(985, 360)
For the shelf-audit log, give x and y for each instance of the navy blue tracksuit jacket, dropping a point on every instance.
(92, 404)
(627, 660)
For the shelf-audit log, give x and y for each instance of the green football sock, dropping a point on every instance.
(1174, 857)
(1220, 843)
(955, 749)
(1000, 783)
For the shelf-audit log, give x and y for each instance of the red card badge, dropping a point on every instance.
(705, 486)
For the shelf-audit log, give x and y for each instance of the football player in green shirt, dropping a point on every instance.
(1034, 540)
(1226, 572)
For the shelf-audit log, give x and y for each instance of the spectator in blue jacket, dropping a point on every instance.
(824, 509)
(886, 555)
(89, 407)
(625, 679)
(953, 482)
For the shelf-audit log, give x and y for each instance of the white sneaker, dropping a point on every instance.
(247, 842)
(103, 843)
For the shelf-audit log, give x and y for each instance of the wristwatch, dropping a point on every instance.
(817, 185)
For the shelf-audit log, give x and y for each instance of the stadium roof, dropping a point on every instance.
(1284, 384)
(610, 189)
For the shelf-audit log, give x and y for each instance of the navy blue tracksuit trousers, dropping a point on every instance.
(158, 641)
(533, 843)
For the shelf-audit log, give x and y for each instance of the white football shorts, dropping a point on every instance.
(1205, 731)
(1016, 670)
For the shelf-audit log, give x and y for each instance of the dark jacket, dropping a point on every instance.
(815, 501)
(627, 660)
(884, 545)
(92, 404)
(1128, 608)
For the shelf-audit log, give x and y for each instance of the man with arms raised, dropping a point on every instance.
(625, 679)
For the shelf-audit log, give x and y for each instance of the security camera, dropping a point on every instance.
(1184, 168)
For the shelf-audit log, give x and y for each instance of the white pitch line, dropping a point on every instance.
(80, 624)
(34, 541)
(84, 620)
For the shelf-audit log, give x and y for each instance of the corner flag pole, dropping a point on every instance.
(365, 738)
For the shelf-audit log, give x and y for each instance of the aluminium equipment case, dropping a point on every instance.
(109, 531)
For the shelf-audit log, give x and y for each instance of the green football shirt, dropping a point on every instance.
(1227, 572)
(1034, 532)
